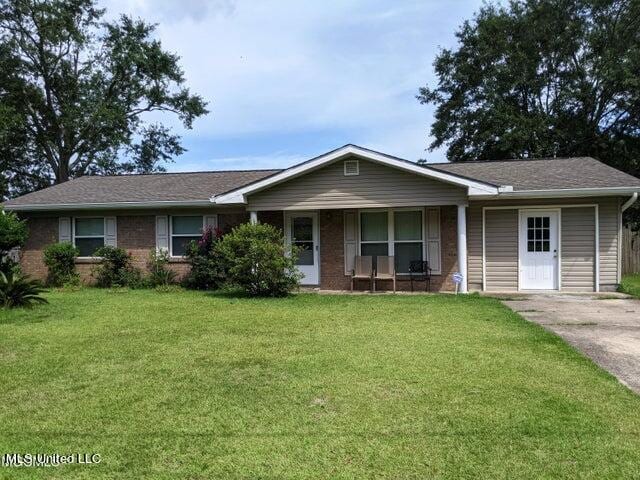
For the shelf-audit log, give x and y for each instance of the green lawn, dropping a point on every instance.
(192, 385)
(631, 285)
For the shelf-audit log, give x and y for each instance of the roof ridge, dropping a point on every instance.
(507, 160)
(159, 174)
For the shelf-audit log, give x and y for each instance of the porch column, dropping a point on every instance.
(462, 246)
(253, 217)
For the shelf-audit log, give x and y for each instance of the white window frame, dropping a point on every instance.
(74, 236)
(391, 241)
(171, 234)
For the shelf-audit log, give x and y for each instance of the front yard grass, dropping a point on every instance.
(631, 284)
(198, 385)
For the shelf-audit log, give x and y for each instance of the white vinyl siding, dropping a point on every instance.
(376, 186)
(608, 209)
(578, 249)
(608, 220)
(501, 250)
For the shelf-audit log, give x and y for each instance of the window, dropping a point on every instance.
(538, 234)
(407, 238)
(404, 240)
(374, 233)
(88, 235)
(184, 230)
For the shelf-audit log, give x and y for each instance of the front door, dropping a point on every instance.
(302, 232)
(538, 250)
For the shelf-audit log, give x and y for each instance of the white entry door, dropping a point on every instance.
(302, 232)
(538, 250)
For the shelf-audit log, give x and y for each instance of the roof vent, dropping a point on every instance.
(351, 167)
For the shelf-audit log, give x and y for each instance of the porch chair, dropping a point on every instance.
(385, 270)
(419, 270)
(363, 270)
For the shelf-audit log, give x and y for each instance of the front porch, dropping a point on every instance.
(331, 238)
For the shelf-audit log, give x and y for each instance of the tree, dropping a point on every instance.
(13, 234)
(74, 91)
(542, 78)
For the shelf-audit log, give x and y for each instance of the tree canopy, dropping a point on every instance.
(542, 78)
(75, 92)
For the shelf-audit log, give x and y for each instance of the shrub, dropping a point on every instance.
(257, 262)
(116, 270)
(13, 234)
(19, 291)
(207, 266)
(60, 259)
(159, 272)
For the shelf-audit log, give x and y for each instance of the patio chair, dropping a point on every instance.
(385, 270)
(363, 270)
(419, 270)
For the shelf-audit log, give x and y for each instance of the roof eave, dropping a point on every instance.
(105, 206)
(564, 193)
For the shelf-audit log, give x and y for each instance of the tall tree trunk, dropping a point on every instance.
(62, 172)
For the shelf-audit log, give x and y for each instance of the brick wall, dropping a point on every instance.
(136, 234)
(332, 275)
(42, 232)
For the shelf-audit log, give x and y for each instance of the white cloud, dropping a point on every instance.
(290, 68)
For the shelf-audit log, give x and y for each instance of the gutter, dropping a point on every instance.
(564, 193)
(106, 205)
(630, 202)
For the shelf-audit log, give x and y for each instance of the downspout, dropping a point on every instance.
(630, 202)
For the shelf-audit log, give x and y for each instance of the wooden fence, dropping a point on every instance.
(630, 251)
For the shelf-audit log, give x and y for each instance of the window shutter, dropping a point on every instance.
(162, 233)
(110, 231)
(433, 240)
(350, 241)
(211, 221)
(64, 229)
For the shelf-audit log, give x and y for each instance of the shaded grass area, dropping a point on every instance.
(631, 284)
(196, 385)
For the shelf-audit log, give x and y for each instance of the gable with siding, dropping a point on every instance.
(375, 186)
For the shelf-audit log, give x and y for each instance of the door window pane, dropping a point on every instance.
(186, 225)
(302, 238)
(302, 229)
(406, 253)
(374, 226)
(88, 246)
(408, 225)
(305, 253)
(538, 234)
(90, 227)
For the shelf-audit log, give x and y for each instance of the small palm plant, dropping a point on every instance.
(19, 291)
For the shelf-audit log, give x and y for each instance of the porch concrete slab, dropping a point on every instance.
(604, 327)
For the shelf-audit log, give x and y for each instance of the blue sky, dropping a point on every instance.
(288, 80)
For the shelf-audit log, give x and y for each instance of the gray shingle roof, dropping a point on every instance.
(542, 174)
(163, 187)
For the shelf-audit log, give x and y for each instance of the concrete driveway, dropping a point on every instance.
(604, 327)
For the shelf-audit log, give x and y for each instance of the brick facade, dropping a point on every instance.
(136, 234)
